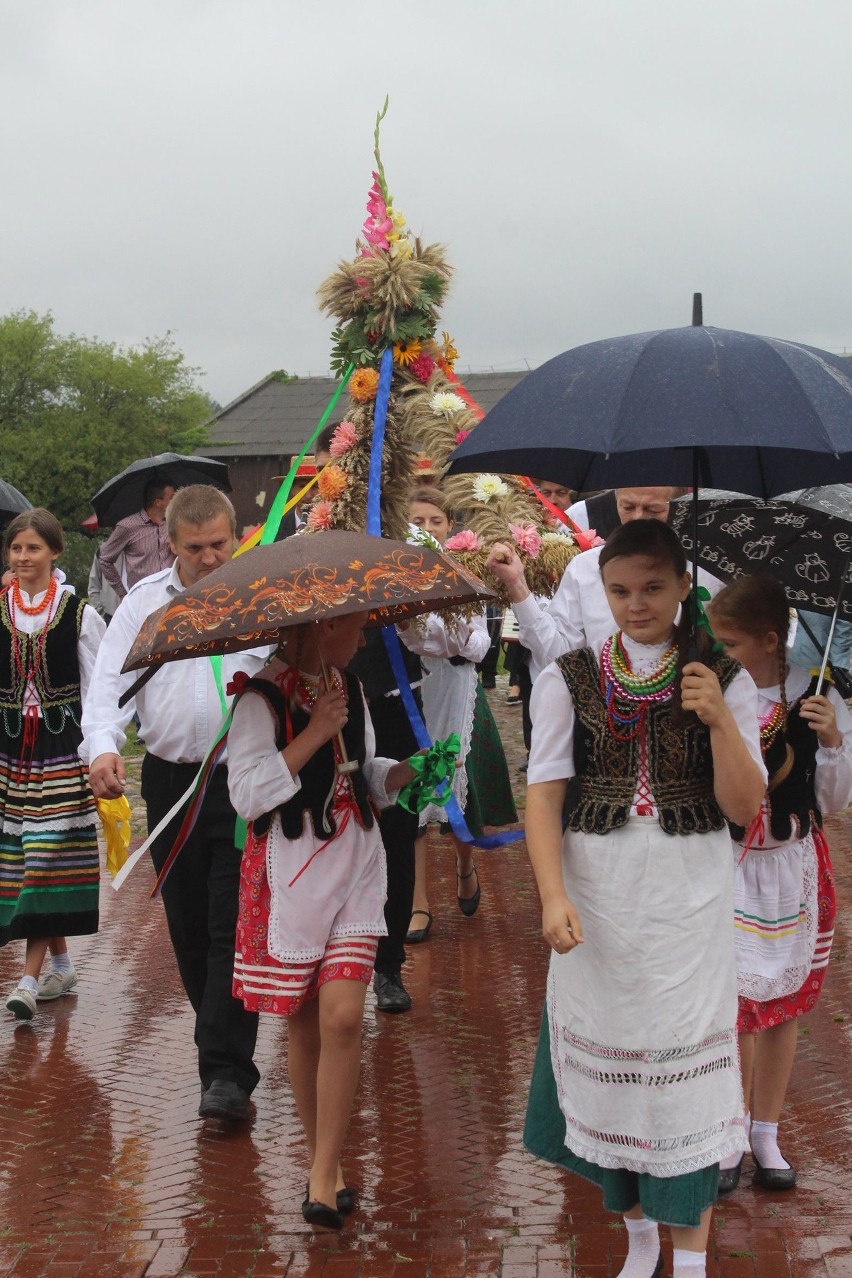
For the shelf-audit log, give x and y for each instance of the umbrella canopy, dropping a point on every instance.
(806, 548)
(249, 600)
(11, 501)
(123, 494)
(765, 413)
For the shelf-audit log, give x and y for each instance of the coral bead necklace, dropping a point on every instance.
(33, 610)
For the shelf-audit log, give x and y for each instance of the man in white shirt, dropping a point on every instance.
(578, 615)
(180, 710)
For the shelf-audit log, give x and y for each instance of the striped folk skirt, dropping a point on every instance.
(49, 865)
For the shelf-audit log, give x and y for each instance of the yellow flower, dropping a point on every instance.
(448, 351)
(332, 483)
(363, 385)
(406, 353)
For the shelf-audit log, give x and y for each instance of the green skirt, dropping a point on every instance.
(489, 786)
(671, 1200)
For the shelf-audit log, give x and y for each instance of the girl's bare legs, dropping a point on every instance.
(774, 1053)
(341, 1017)
(468, 882)
(36, 950)
(324, 1063)
(57, 945)
(421, 896)
(693, 1239)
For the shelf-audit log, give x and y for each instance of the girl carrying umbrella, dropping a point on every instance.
(313, 877)
(636, 1083)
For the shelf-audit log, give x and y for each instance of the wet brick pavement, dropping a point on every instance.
(106, 1170)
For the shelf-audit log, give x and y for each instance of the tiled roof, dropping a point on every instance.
(276, 417)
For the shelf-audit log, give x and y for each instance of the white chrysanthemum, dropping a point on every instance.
(445, 403)
(487, 486)
(555, 536)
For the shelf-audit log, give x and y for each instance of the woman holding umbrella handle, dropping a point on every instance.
(636, 1085)
(313, 876)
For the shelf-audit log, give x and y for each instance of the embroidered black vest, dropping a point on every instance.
(57, 680)
(795, 796)
(680, 763)
(317, 776)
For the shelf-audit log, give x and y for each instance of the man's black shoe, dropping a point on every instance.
(224, 1099)
(391, 994)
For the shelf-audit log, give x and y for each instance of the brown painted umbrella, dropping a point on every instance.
(249, 600)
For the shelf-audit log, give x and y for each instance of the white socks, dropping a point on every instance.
(689, 1264)
(28, 983)
(643, 1250)
(61, 963)
(764, 1146)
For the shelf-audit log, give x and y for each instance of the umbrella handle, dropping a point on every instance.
(345, 764)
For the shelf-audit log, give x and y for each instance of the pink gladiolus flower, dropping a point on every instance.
(319, 516)
(464, 540)
(526, 538)
(344, 438)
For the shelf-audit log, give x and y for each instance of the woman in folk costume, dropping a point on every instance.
(313, 877)
(784, 898)
(636, 1084)
(453, 701)
(49, 870)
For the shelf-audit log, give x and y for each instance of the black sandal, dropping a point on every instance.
(469, 904)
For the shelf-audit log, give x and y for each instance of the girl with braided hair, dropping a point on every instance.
(784, 900)
(636, 1084)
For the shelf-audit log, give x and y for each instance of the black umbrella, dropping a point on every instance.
(11, 501)
(751, 414)
(123, 494)
(803, 546)
(804, 540)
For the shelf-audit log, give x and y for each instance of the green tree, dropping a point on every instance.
(75, 410)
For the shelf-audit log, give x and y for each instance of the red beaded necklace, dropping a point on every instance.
(33, 610)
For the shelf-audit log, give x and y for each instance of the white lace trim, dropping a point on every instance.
(762, 987)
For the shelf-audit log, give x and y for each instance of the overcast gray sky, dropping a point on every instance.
(200, 166)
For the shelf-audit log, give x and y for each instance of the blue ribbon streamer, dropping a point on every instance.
(458, 825)
(380, 416)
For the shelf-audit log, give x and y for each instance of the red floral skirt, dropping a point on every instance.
(262, 982)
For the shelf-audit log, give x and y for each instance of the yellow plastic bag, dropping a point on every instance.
(115, 819)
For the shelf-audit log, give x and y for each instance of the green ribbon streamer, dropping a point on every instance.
(273, 519)
(702, 594)
(433, 768)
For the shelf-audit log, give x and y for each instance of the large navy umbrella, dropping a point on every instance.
(678, 406)
(123, 494)
(12, 502)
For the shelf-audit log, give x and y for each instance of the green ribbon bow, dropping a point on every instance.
(432, 769)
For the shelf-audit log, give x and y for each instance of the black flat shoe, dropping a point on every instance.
(729, 1177)
(347, 1200)
(469, 904)
(774, 1177)
(316, 1213)
(415, 935)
